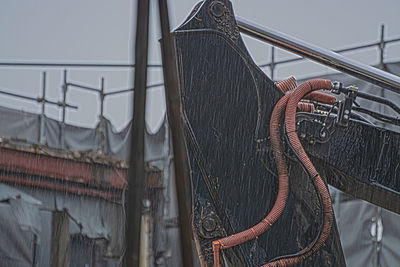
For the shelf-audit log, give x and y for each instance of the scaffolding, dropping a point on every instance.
(102, 95)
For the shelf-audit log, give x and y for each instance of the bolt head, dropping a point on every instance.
(209, 224)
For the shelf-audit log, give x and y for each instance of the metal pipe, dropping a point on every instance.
(132, 89)
(380, 100)
(64, 89)
(378, 116)
(38, 99)
(102, 98)
(174, 112)
(61, 104)
(42, 114)
(382, 65)
(272, 65)
(136, 171)
(19, 96)
(83, 87)
(102, 121)
(322, 56)
(336, 51)
(119, 92)
(43, 92)
(382, 48)
(71, 65)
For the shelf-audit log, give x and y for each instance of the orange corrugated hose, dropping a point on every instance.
(321, 97)
(289, 101)
(287, 85)
(283, 189)
(290, 84)
(290, 125)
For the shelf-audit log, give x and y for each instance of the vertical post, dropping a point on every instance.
(64, 91)
(377, 236)
(382, 48)
(145, 236)
(272, 65)
(34, 256)
(97, 249)
(382, 65)
(102, 121)
(174, 112)
(42, 114)
(102, 98)
(60, 240)
(136, 171)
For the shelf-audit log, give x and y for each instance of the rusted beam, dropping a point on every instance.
(62, 168)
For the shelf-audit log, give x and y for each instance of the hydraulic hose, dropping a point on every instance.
(321, 97)
(287, 85)
(289, 101)
(291, 83)
(283, 189)
(290, 126)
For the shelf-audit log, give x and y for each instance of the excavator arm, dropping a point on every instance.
(227, 106)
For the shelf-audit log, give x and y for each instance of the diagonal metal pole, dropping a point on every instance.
(322, 56)
(136, 171)
(174, 112)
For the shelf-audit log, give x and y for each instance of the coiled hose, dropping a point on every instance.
(290, 126)
(291, 83)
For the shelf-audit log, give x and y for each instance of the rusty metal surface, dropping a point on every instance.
(61, 172)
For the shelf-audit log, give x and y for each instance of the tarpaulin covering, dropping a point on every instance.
(26, 219)
(19, 227)
(25, 128)
(92, 220)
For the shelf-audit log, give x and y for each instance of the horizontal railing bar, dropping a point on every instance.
(132, 89)
(72, 65)
(322, 56)
(38, 99)
(353, 48)
(83, 87)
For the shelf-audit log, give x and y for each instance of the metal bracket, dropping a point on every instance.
(345, 106)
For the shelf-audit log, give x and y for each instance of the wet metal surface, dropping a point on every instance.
(360, 159)
(227, 104)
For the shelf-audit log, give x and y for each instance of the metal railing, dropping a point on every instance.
(102, 97)
(65, 87)
(43, 101)
(322, 56)
(381, 44)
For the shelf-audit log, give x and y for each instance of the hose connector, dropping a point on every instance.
(337, 87)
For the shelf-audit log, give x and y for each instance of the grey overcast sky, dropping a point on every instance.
(103, 31)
